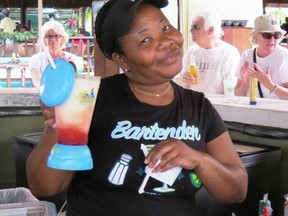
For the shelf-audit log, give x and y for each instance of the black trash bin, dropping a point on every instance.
(24, 145)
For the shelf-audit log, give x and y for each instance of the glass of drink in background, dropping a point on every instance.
(193, 69)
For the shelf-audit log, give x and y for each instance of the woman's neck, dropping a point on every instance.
(160, 95)
(263, 52)
(56, 54)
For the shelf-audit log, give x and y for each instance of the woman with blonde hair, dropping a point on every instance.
(267, 61)
(54, 39)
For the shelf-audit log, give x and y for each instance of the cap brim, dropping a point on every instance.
(157, 3)
(279, 30)
(120, 18)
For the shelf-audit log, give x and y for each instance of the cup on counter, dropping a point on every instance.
(73, 97)
(229, 87)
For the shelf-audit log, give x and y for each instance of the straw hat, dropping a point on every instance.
(267, 23)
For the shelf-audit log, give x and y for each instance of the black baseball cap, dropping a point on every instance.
(117, 17)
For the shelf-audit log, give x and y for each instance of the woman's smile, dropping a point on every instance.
(170, 58)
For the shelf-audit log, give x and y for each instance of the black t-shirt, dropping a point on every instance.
(121, 123)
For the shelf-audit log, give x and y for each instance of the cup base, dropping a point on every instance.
(65, 157)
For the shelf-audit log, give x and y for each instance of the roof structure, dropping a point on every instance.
(46, 3)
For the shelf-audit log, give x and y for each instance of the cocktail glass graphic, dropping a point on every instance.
(168, 177)
(74, 98)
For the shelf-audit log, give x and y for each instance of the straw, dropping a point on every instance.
(50, 59)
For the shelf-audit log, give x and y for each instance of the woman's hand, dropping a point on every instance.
(188, 79)
(49, 115)
(245, 76)
(172, 153)
(263, 77)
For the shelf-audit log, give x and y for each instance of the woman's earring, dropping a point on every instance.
(125, 70)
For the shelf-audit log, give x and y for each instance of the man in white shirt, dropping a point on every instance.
(215, 59)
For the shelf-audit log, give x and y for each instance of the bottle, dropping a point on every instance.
(14, 60)
(194, 71)
(192, 68)
(253, 90)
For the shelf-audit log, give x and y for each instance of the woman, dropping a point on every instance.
(54, 39)
(134, 111)
(270, 65)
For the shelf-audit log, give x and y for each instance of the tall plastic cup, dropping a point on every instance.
(74, 105)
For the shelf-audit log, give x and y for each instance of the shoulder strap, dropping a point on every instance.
(259, 86)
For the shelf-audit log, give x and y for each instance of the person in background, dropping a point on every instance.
(71, 24)
(182, 125)
(82, 43)
(54, 39)
(271, 66)
(24, 28)
(7, 24)
(83, 32)
(215, 59)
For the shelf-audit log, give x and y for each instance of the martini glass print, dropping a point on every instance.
(164, 188)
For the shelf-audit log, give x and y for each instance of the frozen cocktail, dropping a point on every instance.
(73, 97)
(74, 116)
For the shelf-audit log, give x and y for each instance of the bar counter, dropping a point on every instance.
(267, 112)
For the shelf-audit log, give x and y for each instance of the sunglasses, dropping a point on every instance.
(195, 27)
(53, 36)
(268, 36)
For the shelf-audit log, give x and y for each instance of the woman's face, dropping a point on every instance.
(53, 40)
(267, 42)
(153, 47)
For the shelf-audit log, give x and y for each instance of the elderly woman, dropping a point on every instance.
(53, 38)
(268, 61)
(134, 111)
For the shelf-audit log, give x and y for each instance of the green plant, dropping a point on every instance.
(4, 35)
(72, 33)
(18, 36)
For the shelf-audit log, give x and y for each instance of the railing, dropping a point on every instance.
(25, 48)
(15, 73)
(81, 46)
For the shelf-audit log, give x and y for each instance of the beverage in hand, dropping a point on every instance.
(73, 118)
(194, 71)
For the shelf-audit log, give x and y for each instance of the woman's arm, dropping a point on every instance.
(220, 169)
(281, 91)
(35, 76)
(240, 89)
(42, 180)
(242, 85)
(265, 79)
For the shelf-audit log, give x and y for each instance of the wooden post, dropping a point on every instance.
(103, 66)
